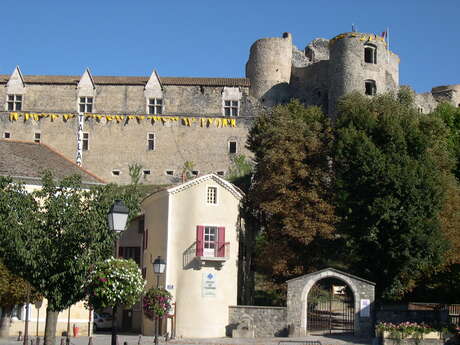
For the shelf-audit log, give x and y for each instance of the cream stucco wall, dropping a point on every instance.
(79, 316)
(197, 316)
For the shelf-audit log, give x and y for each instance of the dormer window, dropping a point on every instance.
(370, 53)
(155, 106)
(14, 103)
(86, 105)
(370, 87)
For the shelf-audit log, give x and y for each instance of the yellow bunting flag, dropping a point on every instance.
(14, 116)
(54, 116)
(210, 121)
(218, 122)
(108, 118)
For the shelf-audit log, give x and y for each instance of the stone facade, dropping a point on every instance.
(267, 321)
(122, 126)
(297, 299)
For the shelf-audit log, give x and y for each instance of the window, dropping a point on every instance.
(130, 253)
(210, 241)
(86, 105)
(14, 102)
(220, 173)
(370, 53)
(146, 172)
(231, 108)
(370, 87)
(169, 172)
(195, 172)
(116, 172)
(6, 135)
(211, 195)
(141, 225)
(85, 141)
(37, 137)
(150, 141)
(155, 106)
(232, 147)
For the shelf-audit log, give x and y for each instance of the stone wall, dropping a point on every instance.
(268, 321)
(387, 341)
(116, 145)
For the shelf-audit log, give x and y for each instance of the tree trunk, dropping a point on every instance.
(50, 328)
(5, 321)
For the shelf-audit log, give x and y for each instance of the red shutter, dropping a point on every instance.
(221, 242)
(199, 240)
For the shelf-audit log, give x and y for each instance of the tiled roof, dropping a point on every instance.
(108, 80)
(27, 160)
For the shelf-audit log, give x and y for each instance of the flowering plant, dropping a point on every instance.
(403, 329)
(157, 302)
(113, 282)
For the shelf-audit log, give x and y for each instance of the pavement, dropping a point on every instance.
(104, 339)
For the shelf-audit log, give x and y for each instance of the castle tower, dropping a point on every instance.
(269, 69)
(360, 62)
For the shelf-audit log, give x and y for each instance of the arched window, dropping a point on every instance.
(370, 87)
(370, 53)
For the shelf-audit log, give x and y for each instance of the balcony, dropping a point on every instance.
(197, 257)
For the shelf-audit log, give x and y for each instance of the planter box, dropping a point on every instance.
(431, 335)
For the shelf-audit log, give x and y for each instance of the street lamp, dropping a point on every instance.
(38, 305)
(159, 267)
(117, 219)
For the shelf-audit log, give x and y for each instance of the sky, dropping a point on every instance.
(201, 38)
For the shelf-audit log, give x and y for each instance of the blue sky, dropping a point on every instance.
(212, 38)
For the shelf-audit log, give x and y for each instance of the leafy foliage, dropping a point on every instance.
(14, 290)
(114, 282)
(157, 302)
(51, 237)
(290, 196)
(389, 190)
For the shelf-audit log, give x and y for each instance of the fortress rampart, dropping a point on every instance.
(107, 124)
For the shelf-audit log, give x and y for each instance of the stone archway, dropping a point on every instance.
(297, 300)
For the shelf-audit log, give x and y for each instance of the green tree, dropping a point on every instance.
(13, 290)
(290, 196)
(51, 237)
(389, 183)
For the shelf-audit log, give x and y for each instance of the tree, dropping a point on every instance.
(290, 196)
(390, 190)
(112, 283)
(13, 290)
(51, 237)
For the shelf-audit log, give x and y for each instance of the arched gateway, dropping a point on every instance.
(329, 301)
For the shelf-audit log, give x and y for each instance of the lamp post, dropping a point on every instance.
(159, 267)
(38, 305)
(117, 219)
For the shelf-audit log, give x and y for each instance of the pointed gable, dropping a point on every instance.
(153, 88)
(86, 86)
(16, 83)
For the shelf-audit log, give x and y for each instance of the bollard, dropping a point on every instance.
(62, 341)
(32, 342)
(37, 342)
(139, 341)
(90, 341)
(125, 343)
(19, 336)
(67, 341)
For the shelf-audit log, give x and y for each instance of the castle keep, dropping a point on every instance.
(106, 124)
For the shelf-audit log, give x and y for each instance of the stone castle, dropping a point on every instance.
(107, 124)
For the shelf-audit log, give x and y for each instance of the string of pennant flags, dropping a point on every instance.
(186, 121)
